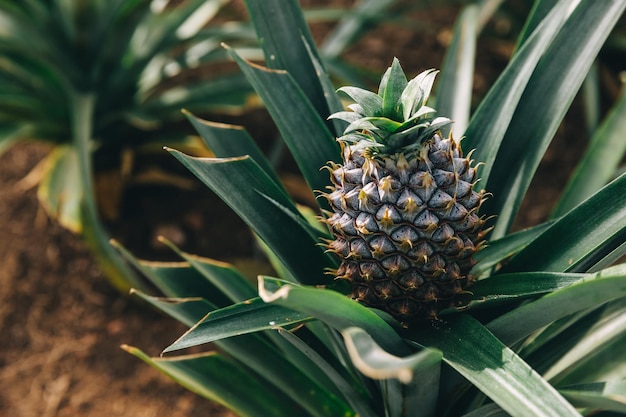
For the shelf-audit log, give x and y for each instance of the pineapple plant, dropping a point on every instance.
(405, 220)
(103, 82)
(530, 325)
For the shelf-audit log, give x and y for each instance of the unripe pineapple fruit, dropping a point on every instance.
(405, 216)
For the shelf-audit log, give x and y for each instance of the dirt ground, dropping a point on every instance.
(61, 323)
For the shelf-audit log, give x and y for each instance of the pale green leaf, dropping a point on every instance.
(376, 363)
(370, 102)
(60, 190)
(454, 95)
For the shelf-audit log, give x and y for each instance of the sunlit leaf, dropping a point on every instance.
(242, 318)
(496, 370)
(546, 99)
(333, 308)
(589, 292)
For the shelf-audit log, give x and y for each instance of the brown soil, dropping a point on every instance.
(62, 324)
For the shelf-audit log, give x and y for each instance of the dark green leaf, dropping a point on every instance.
(545, 101)
(504, 288)
(229, 141)
(298, 122)
(186, 310)
(243, 318)
(609, 395)
(540, 10)
(489, 410)
(601, 346)
(334, 309)
(334, 378)
(222, 275)
(580, 239)
(496, 370)
(588, 293)
(219, 379)
(220, 326)
(243, 185)
(498, 250)
(600, 161)
(491, 120)
(286, 49)
(175, 279)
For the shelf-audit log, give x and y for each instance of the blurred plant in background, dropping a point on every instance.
(542, 330)
(106, 78)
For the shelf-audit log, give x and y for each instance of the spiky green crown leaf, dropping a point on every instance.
(397, 118)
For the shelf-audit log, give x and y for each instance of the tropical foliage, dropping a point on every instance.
(543, 326)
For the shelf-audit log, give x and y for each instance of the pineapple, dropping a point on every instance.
(405, 216)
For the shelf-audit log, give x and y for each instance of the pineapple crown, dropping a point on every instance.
(396, 118)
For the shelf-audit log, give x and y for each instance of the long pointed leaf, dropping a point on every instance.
(600, 337)
(496, 370)
(224, 276)
(334, 309)
(298, 122)
(587, 293)
(348, 391)
(500, 249)
(219, 379)
(503, 288)
(243, 318)
(600, 162)
(243, 185)
(186, 310)
(580, 239)
(491, 120)
(544, 103)
(228, 141)
(454, 96)
(283, 49)
(610, 395)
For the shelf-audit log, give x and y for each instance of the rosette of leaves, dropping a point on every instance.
(105, 77)
(542, 328)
